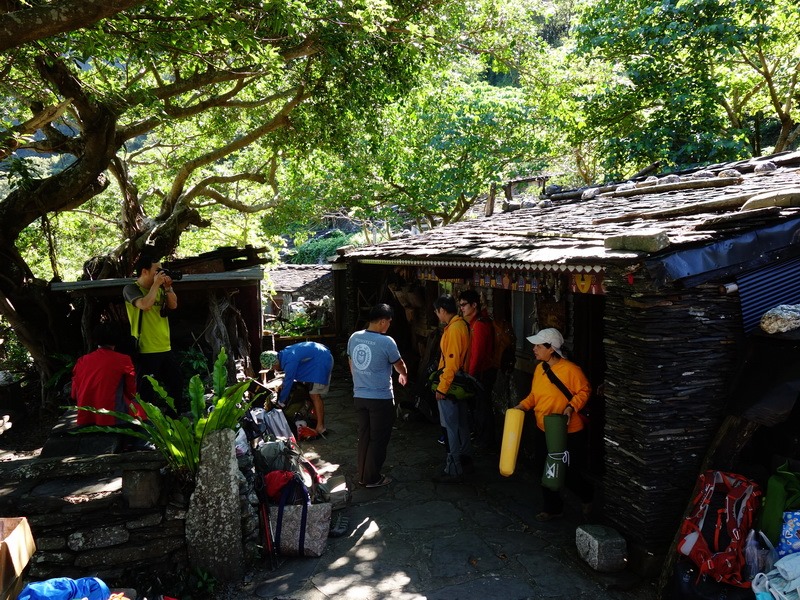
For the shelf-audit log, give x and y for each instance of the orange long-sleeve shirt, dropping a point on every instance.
(546, 399)
(454, 345)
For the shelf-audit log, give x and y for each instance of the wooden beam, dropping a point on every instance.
(724, 204)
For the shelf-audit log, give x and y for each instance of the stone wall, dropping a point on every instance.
(116, 516)
(111, 516)
(671, 355)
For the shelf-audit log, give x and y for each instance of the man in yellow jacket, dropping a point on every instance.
(453, 414)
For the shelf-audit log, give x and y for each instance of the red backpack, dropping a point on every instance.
(713, 535)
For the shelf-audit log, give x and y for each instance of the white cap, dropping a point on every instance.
(548, 336)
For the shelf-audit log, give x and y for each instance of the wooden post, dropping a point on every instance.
(488, 210)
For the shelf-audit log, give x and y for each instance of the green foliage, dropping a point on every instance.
(66, 363)
(437, 152)
(179, 439)
(200, 583)
(194, 361)
(317, 250)
(299, 325)
(689, 78)
(16, 360)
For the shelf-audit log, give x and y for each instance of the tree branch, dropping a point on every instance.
(224, 200)
(30, 24)
(279, 120)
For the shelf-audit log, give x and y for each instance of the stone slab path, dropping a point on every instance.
(417, 539)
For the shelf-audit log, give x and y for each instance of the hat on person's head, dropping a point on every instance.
(548, 336)
(268, 359)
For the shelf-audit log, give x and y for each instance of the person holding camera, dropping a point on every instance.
(147, 302)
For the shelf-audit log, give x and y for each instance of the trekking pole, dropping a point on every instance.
(266, 531)
(267, 536)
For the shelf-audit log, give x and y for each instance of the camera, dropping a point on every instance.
(173, 274)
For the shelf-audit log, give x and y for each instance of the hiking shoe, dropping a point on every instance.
(339, 525)
(384, 480)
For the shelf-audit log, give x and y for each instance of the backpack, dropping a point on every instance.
(277, 455)
(714, 533)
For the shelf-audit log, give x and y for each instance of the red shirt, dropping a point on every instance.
(103, 379)
(481, 346)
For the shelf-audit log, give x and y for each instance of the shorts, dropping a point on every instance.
(319, 388)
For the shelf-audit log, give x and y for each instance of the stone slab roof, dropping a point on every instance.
(579, 227)
(291, 278)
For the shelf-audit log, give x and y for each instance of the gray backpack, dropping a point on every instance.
(276, 455)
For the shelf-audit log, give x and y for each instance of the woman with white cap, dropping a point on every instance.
(546, 398)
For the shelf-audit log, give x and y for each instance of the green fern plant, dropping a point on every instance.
(179, 439)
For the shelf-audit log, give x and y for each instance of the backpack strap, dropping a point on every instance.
(556, 381)
(287, 489)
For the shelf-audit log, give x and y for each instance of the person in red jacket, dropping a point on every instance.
(480, 362)
(104, 378)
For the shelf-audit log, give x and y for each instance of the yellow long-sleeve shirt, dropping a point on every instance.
(546, 399)
(454, 346)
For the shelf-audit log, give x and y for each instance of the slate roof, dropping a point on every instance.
(291, 278)
(567, 230)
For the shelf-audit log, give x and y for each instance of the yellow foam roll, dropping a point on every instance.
(512, 432)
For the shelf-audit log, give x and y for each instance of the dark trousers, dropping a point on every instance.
(375, 420)
(166, 370)
(577, 446)
(483, 423)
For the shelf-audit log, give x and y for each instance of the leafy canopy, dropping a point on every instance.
(691, 78)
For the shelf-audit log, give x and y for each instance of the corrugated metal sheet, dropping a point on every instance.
(767, 288)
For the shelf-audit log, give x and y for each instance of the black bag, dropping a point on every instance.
(131, 345)
(464, 386)
(688, 584)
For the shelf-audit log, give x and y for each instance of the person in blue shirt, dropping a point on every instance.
(373, 355)
(307, 362)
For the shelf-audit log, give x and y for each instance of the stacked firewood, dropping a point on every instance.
(670, 358)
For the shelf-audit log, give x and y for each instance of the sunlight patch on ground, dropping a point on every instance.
(364, 561)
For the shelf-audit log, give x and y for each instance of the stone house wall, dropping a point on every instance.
(118, 517)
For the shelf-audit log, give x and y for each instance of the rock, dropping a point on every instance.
(103, 537)
(642, 241)
(141, 489)
(213, 521)
(603, 548)
(783, 197)
(765, 167)
(780, 319)
(652, 180)
(552, 189)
